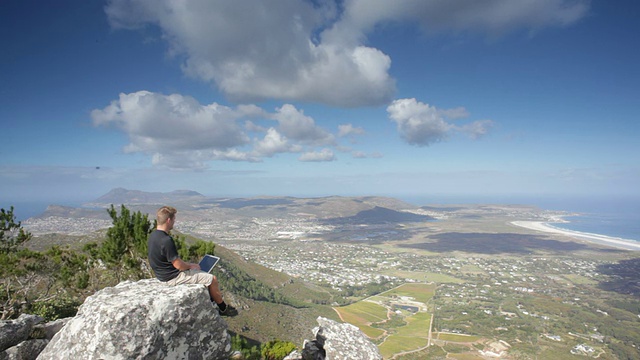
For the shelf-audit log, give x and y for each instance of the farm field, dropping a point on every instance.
(397, 319)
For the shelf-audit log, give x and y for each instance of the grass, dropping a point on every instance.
(417, 325)
(395, 344)
(420, 292)
(371, 332)
(362, 314)
(410, 336)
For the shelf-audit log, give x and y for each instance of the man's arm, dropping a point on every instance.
(182, 266)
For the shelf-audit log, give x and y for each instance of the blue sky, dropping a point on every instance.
(362, 97)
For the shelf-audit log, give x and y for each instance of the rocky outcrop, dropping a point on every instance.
(150, 320)
(13, 332)
(336, 341)
(143, 320)
(25, 337)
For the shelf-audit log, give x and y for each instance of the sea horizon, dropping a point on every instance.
(612, 216)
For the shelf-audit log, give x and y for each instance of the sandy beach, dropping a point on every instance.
(595, 238)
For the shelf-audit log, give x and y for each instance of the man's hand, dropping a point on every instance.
(182, 265)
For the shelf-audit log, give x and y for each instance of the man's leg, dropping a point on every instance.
(214, 291)
(216, 295)
(211, 282)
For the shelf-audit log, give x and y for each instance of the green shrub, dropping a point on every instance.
(248, 352)
(57, 308)
(277, 349)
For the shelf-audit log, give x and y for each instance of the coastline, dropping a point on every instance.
(594, 238)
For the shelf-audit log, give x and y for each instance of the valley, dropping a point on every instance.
(498, 290)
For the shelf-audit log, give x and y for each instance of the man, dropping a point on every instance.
(169, 268)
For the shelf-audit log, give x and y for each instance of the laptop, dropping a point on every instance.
(208, 262)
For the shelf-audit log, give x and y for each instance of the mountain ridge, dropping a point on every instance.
(194, 205)
(122, 196)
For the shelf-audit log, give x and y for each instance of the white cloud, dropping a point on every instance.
(423, 125)
(234, 155)
(318, 156)
(273, 143)
(298, 51)
(315, 51)
(364, 155)
(493, 17)
(297, 126)
(418, 123)
(453, 114)
(177, 132)
(477, 129)
(348, 129)
(157, 123)
(256, 50)
(253, 127)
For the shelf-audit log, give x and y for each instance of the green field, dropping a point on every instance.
(410, 337)
(371, 332)
(395, 344)
(362, 314)
(410, 334)
(417, 325)
(419, 292)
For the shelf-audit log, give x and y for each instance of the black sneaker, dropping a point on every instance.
(228, 311)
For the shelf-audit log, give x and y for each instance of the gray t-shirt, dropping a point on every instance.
(162, 252)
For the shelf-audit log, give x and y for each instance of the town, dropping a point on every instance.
(516, 288)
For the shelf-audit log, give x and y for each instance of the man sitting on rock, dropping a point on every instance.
(169, 268)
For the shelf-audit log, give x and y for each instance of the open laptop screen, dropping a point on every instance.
(208, 262)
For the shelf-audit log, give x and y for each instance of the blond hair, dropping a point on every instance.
(165, 213)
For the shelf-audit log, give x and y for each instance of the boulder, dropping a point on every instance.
(339, 341)
(143, 320)
(48, 330)
(26, 350)
(13, 332)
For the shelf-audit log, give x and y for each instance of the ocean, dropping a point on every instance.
(615, 217)
(610, 216)
(23, 210)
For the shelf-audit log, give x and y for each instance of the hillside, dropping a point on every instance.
(380, 215)
(263, 321)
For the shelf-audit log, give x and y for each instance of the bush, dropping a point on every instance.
(11, 232)
(248, 352)
(57, 308)
(277, 350)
